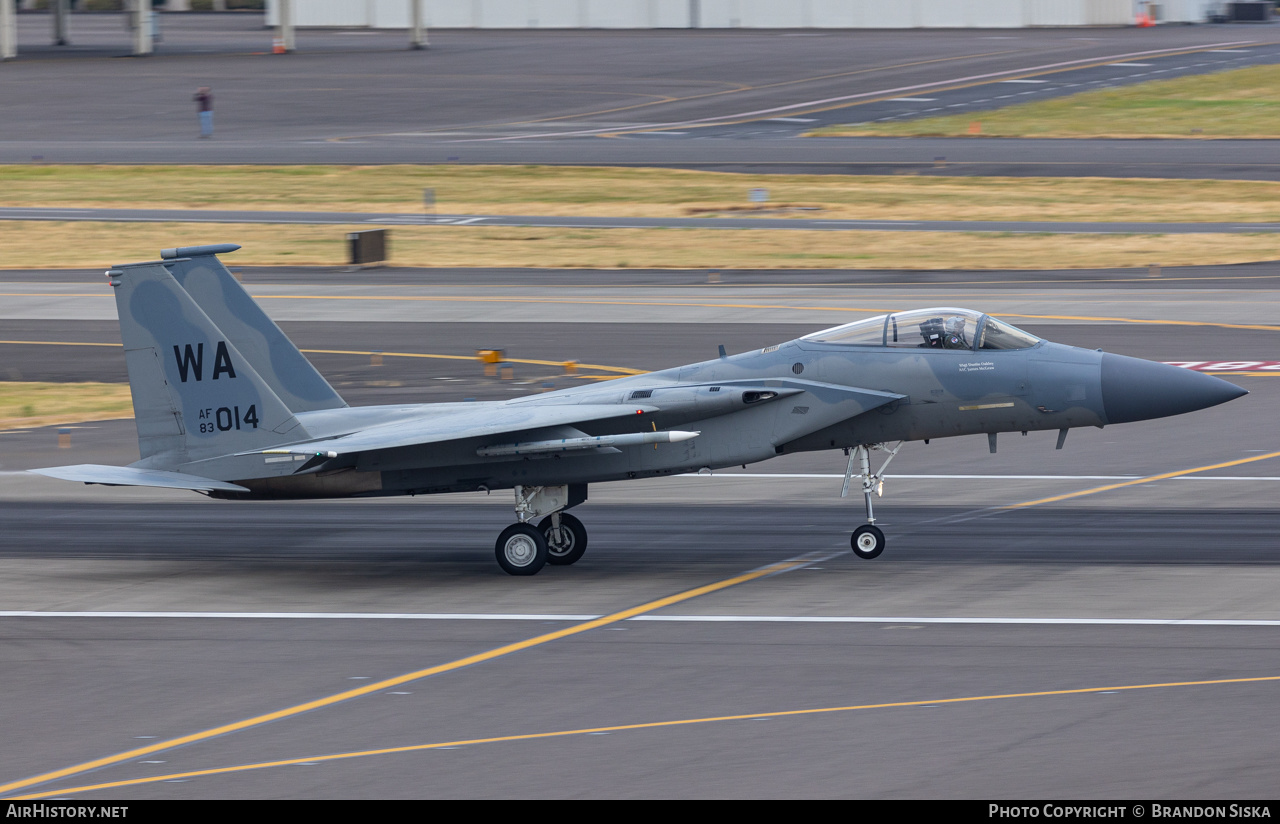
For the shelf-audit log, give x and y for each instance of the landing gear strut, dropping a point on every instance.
(868, 540)
(559, 539)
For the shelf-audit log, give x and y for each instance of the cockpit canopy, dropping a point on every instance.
(944, 328)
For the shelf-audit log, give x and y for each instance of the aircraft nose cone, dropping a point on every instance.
(1135, 390)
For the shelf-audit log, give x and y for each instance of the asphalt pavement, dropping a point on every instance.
(727, 100)
(763, 220)
(146, 615)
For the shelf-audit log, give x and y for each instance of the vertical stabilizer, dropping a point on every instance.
(195, 394)
(272, 355)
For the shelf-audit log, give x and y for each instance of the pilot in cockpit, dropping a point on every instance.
(943, 333)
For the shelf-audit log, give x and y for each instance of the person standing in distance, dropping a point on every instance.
(204, 105)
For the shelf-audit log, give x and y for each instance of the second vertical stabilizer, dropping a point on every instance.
(272, 355)
(195, 394)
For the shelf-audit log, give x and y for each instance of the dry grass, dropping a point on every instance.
(97, 245)
(1240, 103)
(46, 404)
(544, 190)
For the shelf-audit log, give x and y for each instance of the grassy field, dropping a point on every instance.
(547, 190)
(97, 245)
(46, 404)
(1240, 103)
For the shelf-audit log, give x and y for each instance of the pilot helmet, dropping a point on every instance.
(954, 337)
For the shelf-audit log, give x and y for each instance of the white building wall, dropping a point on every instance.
(1109, 13)
(555, 14)
(718, 14)
(497, 14)
(993, 14)
(1183, 11)
(770, 14)
(670, 14)
(945, 16)
(1053, 13)
(874, 15)
(839, 14)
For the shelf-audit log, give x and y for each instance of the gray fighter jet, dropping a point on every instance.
(226, 405)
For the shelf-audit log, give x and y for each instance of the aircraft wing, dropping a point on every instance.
(131, 476)
(457, 424)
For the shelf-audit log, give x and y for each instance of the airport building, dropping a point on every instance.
(417, 16)
(746, 14)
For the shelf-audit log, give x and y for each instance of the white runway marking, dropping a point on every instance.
(871, 222)
(694, 619)
(824, 476)
(922, 477)
(806, 107)
(723, 475)
(13, 210)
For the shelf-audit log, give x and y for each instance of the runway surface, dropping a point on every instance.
(1249, 276)
(993, 584)
(764, 221)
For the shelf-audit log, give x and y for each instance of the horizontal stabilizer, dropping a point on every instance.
(131, 476)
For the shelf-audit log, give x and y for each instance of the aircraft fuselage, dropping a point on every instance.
(819, 401)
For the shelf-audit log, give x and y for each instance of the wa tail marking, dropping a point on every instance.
(191, 361)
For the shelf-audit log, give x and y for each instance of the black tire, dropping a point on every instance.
(521, 550)
(575, 540)
(867, 542)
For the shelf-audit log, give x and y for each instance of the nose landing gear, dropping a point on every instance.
(868, 540)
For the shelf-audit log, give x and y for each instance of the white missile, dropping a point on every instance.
(574, 444)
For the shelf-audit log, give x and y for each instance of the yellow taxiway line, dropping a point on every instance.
(1162, 477)
(624, 370)
(624, 727)
(387, 683)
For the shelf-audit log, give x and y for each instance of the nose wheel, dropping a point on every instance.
(867, 541)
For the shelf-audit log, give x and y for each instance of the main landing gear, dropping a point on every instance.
(566, 538)
(559, 539)
(868, 540)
